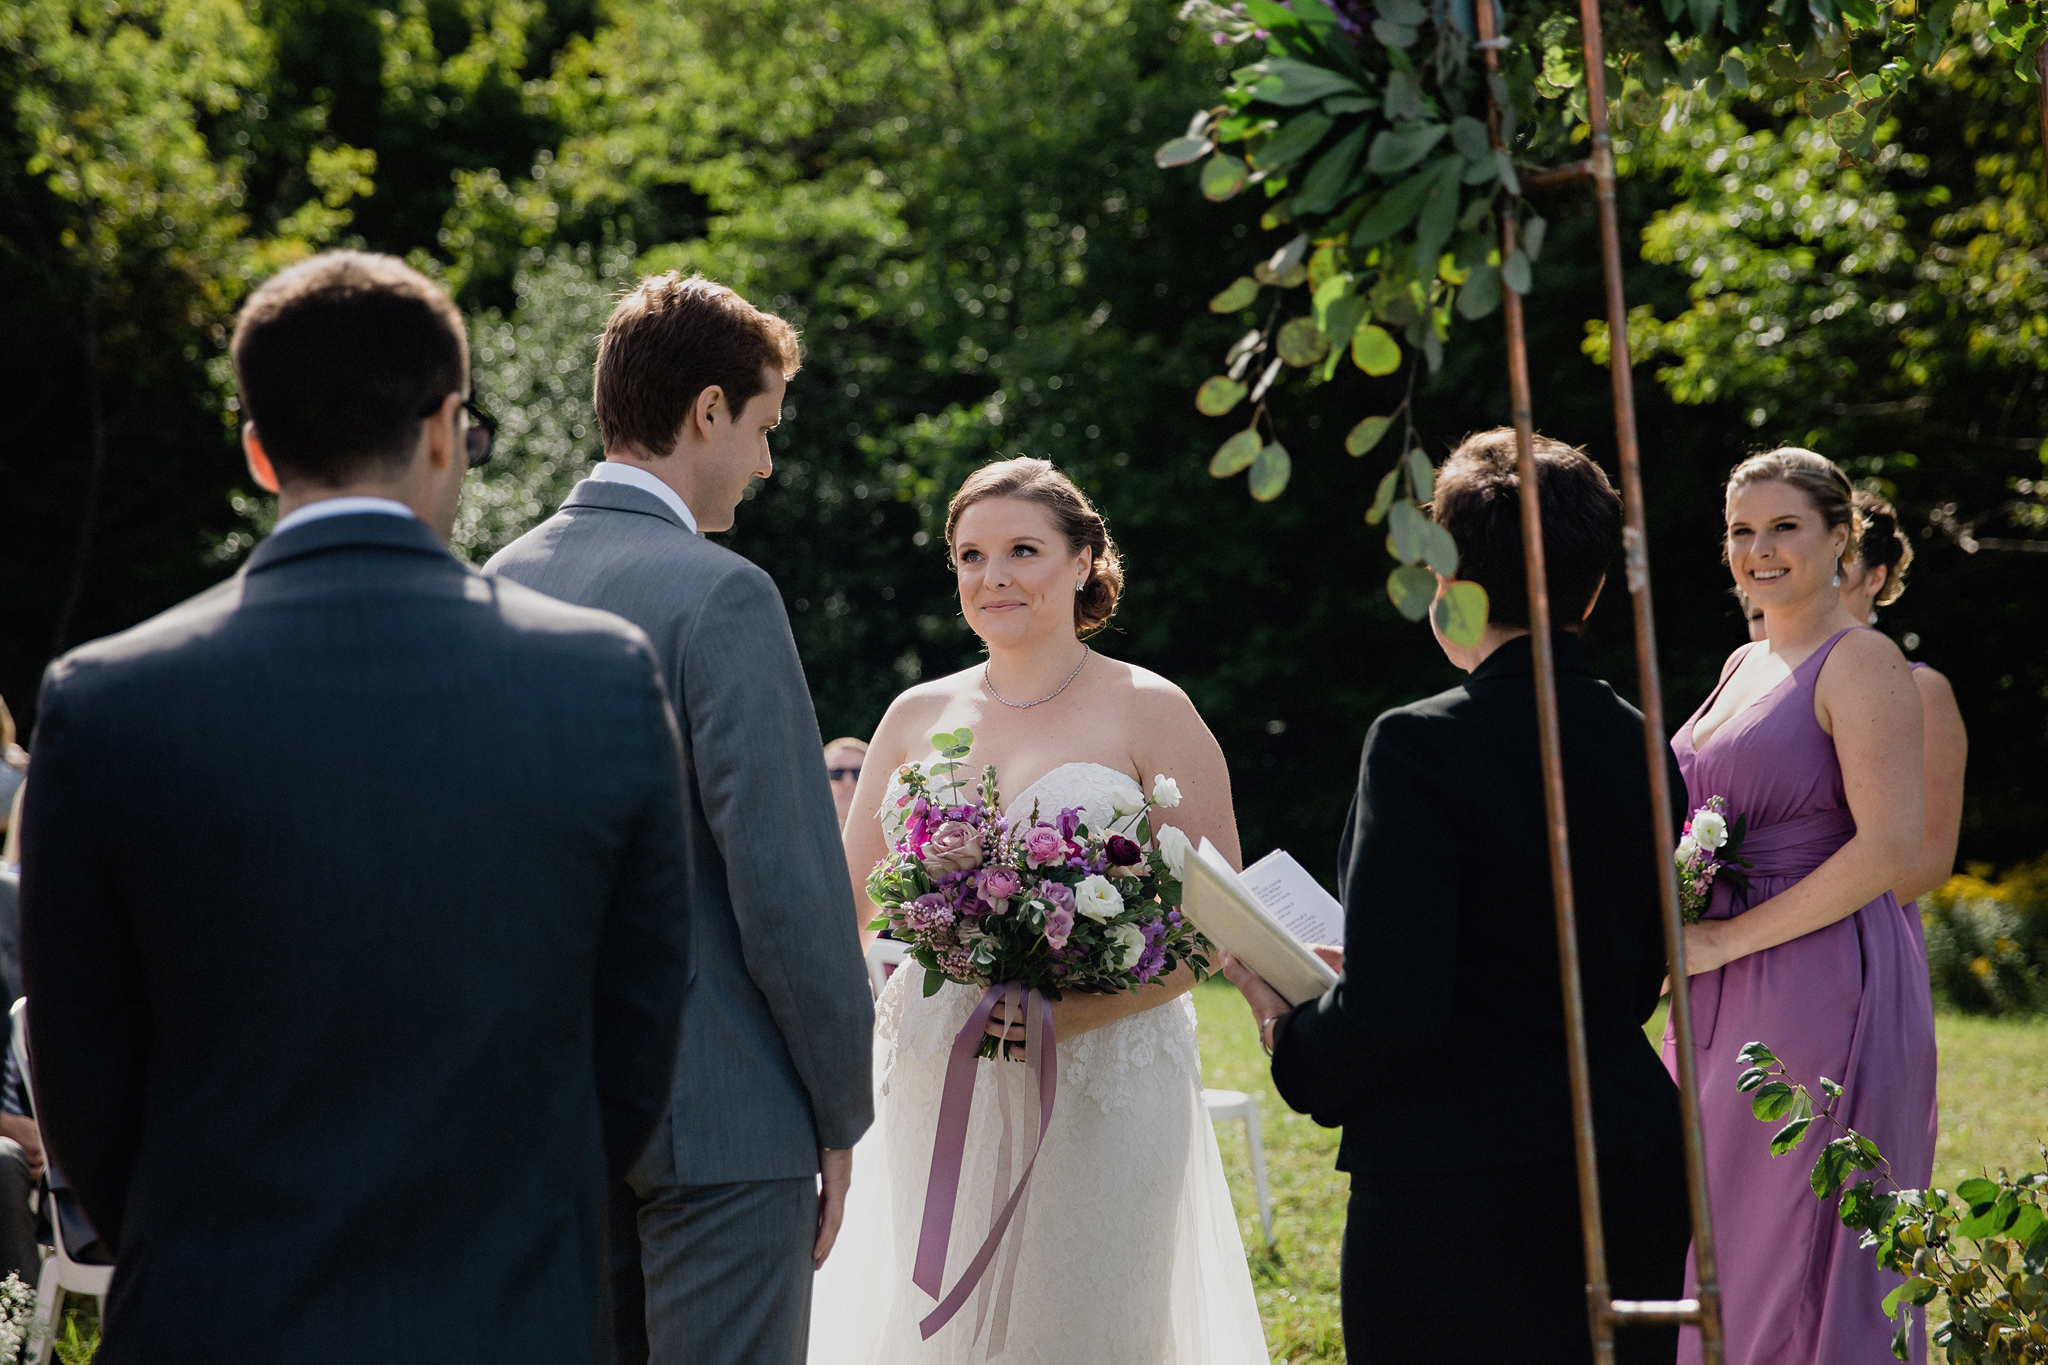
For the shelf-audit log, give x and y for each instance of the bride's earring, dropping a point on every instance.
(1838, 574)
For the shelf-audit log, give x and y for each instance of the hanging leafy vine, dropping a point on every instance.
(1365, 123)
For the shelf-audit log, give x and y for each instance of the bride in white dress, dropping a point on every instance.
(1126, 1251)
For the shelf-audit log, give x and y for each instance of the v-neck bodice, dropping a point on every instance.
(1770, 760)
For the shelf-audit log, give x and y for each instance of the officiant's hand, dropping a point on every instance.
(835, 1175)
(1266, 1003)
(1333, 958)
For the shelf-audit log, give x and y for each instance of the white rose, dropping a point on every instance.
(1097, 899)
(1176, 849)
(1131, 939)
(1709, 830)
(1687, 846)
(1165, 792)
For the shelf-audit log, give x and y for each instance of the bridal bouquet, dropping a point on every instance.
(1024, 911)
(1050, 903)
(1709, 848)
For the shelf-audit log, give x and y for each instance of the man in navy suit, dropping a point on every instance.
(354, 894)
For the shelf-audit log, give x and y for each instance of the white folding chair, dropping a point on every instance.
(1230, 1105)
(61, 1275)
(885, 955)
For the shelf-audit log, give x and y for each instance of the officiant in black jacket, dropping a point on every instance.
(1440, 1051)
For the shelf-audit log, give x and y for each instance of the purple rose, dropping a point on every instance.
(953, 847)
(1122, 852)
(1058, 925)
(997, 885)
(1057, 894)
(929, 911)
(1043, 846)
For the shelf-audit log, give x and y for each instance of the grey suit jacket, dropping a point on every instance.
(778, 1016)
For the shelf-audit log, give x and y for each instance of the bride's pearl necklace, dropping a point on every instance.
(1086, 650)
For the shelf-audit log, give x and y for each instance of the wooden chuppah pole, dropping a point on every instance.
(1603, 1311)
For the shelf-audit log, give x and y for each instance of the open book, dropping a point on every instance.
(1266, 918)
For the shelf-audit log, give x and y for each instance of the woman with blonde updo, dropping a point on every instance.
(1127, 1249)
(1813, 739)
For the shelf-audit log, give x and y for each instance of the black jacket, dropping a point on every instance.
(1441, 1047)
(354, 948)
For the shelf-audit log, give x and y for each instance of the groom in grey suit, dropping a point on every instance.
(721, 1223)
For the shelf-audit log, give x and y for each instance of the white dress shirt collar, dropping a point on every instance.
(342, 507)
(614, 471)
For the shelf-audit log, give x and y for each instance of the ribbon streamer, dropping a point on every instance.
(942, 1189)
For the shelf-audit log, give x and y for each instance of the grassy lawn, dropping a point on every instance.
(1994, 1101)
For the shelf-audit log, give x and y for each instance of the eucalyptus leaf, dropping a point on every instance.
(1439, 550)
(1461, 613)
(1534, 230)
(1409, 529)
(1238, 296)
(1341, 319)
(1481, 294)
(1223, 176)
(1363, 438)
(1734, 72)
(1270, 471)
(1322, 186)
(1403, 103)
(1296, 138)
(1290, 82)
(1183, 150)
(1384, 499)
(1421, 479)
(1468, 135)
(1218, 395)
(1235, 455)
(1283, 261)
(1375, 352)
(1398, 148)
(1394, 35)
(1394, 210)
(1514, 272)
(1300, 342)
(1266, 379)
(1410, 588)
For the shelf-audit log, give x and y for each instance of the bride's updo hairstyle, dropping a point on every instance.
(1881, 544)
(1073, 516)
(1818, 477)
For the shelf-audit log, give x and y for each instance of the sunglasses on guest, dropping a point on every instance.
(843, 774)
(483, 428)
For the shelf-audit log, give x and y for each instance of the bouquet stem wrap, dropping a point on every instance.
(942, 1190)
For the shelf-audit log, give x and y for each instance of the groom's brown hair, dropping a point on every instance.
(668, 341)
(1478, 500)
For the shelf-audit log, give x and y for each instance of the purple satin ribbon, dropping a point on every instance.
(942, 1190)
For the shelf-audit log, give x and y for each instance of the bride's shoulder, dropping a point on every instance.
(1155, 706)
(916, 709)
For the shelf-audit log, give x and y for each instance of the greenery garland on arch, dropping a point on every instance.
(1365, 124)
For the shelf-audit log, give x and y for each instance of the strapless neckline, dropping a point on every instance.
(1019, 802)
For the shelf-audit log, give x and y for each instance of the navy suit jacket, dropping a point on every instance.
(354, 909)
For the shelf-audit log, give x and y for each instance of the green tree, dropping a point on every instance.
(1888, 313)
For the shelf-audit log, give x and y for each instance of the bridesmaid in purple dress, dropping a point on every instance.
(1814, 734)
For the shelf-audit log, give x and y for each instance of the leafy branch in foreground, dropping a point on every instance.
(1996, 1297)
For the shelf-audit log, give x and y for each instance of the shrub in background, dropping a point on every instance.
(1987, 942)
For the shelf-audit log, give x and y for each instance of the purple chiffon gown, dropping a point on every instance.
(1849, 1001)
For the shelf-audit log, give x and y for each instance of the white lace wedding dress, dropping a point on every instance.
(1126, 1252)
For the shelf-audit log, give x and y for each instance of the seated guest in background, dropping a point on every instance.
(1440, 1050)
(13, 767)
(843, 758)
(22, 1164)
(21, 1150)
(347, 988)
